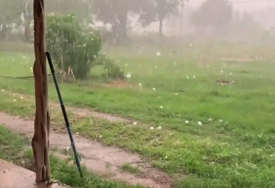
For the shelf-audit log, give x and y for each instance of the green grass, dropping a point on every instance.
(12, 149)
(235, 152)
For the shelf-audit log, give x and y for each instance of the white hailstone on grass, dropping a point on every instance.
(210, 119)
(230, 73)
(220, 120)
(176, 94)
(154, 89)
(194, 76)
(156, 66)
(190, 44)
(125, 64)
(128, 75)
(207, 66)
(158, 54)
(67, 148)
(186, 121)
(161, 107)
(199, 123)
(3, 90)
(159, 127)
(21, 97)
(221, 71)
(187, 77)
(14, 100)
(134, 123)
(151, 128)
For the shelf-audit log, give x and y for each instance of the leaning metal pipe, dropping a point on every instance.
(64, 113)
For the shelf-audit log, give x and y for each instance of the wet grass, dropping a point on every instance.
(12, 149)
(232, 147)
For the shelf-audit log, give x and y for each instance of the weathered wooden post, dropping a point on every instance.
(40, 140)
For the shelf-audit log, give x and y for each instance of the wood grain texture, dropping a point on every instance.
(40, 140)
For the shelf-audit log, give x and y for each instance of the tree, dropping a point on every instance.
(214, 13)
(10, 12)
(159, 10)
(116, 13)
(80, 7)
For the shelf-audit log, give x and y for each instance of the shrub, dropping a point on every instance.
(111, 70)
(72, 46)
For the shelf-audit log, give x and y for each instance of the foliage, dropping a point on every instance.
(111, 70)
(70, 45)
(11, 10)
(80, 7)
(116, 12)
(216, 13)
(159, 10)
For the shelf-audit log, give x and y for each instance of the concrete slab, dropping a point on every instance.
(13, 176)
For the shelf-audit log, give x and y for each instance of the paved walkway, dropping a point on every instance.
(12, 176)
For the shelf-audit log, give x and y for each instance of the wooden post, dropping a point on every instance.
(40, 140)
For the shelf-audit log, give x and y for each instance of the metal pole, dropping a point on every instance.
(64, 113)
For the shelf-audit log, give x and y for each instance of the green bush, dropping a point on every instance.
(111, 70)
(72, 46)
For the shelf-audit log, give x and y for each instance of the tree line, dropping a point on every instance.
(117, 13)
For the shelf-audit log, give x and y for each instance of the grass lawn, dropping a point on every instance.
(232, 147)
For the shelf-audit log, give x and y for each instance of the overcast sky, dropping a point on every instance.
(242, 5)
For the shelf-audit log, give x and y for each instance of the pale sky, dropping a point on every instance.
(242, 5)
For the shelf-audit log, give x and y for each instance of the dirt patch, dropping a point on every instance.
(120, 84)
(237, 60)
(83, 112)
(105, 161)
(224, 82)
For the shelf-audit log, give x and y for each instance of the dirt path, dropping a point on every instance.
(100, 159)
(81, 112)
